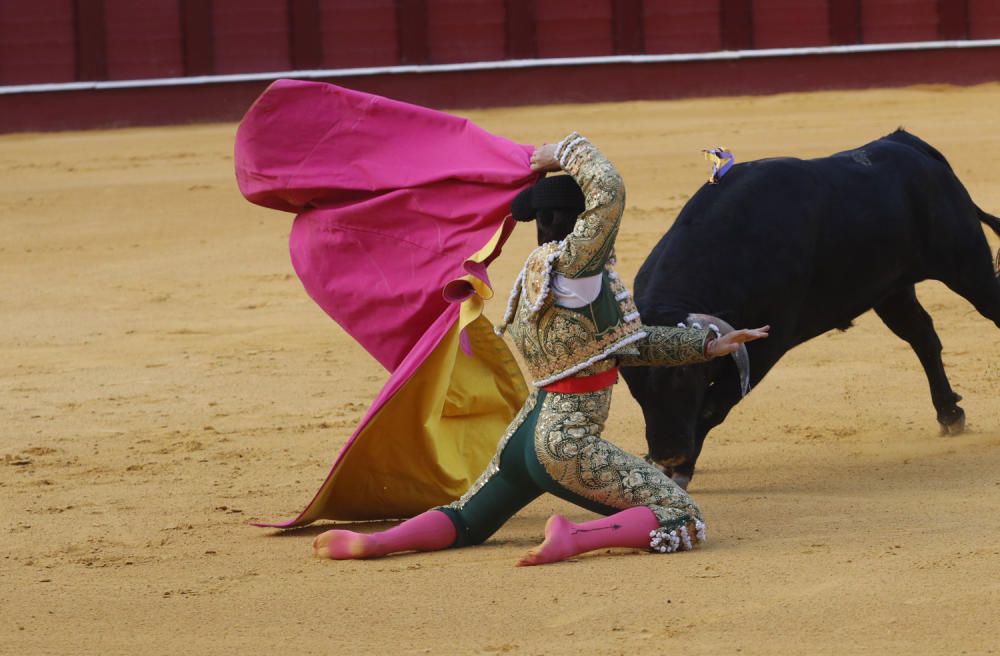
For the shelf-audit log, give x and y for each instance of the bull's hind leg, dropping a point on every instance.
(904, 315)
(976, 278)
(984, 294)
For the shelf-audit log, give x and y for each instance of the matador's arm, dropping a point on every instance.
(667, 346)
(589, 246)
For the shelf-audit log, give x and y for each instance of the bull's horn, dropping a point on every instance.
(740, 356)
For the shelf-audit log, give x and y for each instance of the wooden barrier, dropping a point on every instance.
(168, 41)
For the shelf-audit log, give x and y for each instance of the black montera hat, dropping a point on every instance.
(558, 192)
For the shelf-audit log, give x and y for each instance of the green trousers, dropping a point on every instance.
(554, 445)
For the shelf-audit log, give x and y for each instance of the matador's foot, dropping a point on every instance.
(343, 545)
(558, 544)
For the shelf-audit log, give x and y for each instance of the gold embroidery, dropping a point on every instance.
(590, 244)
(557, 342)
(668, 346)
(563, 342)
(598, 367)
(538, 275)
(568, 443)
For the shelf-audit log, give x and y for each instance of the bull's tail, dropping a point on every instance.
(994, 223)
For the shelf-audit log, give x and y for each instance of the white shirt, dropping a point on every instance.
(576, 292)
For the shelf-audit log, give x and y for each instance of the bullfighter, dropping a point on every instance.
(574, 323)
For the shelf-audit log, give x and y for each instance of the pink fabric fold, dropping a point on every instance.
(391, 198)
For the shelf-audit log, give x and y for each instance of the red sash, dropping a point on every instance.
(584, 384)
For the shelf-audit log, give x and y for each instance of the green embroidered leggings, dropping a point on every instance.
(589, 471)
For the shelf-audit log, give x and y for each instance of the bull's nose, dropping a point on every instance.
(659, 464)
(665, 464)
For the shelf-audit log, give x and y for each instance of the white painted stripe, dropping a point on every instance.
(506, 64)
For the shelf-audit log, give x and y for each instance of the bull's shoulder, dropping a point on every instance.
(914, 143)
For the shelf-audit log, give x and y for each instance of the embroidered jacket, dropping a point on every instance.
(558, 341)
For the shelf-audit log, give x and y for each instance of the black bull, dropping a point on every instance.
(807, 246)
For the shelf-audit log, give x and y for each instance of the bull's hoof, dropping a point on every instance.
(682, 480)
(952, 422)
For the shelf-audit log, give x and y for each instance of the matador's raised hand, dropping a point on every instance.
(728, 343)
(544, 159)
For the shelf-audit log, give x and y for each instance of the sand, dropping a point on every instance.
(165, 380)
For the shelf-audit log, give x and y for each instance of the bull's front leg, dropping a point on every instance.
(669, 400)
(673, 390)
(723, 391)
(678, 465)
(675, 429)
(722, 396)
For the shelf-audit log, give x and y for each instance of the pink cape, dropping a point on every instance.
(392, 201)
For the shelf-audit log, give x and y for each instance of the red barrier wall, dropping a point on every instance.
(358, 33)
(682, 26)
(466, 30)
(984, 19)
(573, 28)
(69, 40)
(37, 42)
(791, 23)
(44, 41)
(250, 35)
(887, 21)
(143, 39)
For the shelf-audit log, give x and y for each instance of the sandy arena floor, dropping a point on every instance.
(165, 380)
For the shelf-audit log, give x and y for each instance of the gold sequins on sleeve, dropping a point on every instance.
(666, 346)
(590, 244)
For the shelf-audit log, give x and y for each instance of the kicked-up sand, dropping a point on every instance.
(164, 380)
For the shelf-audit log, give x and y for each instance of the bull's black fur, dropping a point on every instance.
(806, 246)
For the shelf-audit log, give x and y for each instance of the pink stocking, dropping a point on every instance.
(634, 527)
(428, 531)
